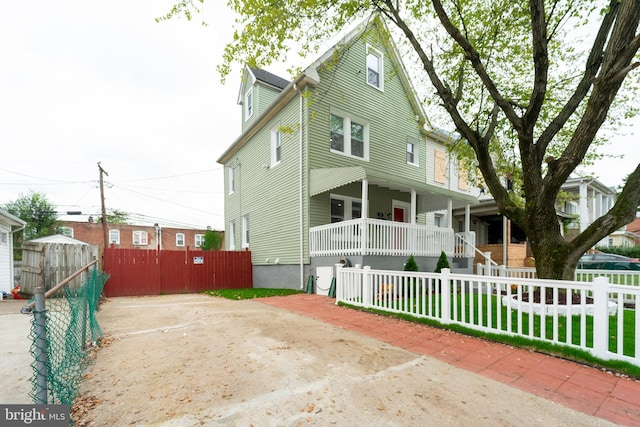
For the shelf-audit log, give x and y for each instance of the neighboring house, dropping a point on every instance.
(9, 224)
(135, 236)
(582, 201)
(341, 164)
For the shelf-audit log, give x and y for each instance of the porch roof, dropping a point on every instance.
(435, 198)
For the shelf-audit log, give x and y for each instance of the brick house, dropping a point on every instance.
(128, 236)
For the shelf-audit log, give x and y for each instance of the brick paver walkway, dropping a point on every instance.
(571, 384)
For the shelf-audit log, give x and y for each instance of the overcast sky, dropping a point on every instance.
(83, 82)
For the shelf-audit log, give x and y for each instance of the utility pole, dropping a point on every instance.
(104, 210)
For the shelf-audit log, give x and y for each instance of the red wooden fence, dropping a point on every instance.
(134, 272)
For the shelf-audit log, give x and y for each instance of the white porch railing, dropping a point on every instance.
(366, 236)
(601, 323)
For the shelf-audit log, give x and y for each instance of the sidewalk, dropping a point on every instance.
(583, 388)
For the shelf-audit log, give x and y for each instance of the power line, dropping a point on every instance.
(170, 176)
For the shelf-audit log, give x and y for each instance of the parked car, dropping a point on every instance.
(604, 261)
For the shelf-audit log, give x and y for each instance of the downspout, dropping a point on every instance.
(300, 193)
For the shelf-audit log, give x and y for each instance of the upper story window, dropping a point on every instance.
(245, 231)
(232, 235)
(199, 240)
(276, 145)
(114, 237)
(179, 239)
(349, 135)
(140, 238)
(375, 71)
(4, 238)
(248, 104)
(412, 152)
(232, 180)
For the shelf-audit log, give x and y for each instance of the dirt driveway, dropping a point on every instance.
(186, 360)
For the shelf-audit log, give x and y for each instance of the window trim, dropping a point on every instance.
(415, 152)
(178, 236)
(245, 231)
(231, 178)
(117, 239)
(276, 146)
(372, 51)
(195, 240)
(347, 120)
(232, 235)
(248, 104)
(143, 238)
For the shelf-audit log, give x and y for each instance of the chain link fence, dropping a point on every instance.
(63, 330)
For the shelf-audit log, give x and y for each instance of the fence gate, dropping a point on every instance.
(136, 272)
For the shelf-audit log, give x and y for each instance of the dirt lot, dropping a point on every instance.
(195, 360)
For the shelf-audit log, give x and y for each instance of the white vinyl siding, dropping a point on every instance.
(232, 235)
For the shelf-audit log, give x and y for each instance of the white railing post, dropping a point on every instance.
(600, 317)
(339, 284)
(502, 271)
(367, 292)
(445, 293)
(487, 263)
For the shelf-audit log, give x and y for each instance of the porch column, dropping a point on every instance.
(365, 198)
(365, 215)
(450, 213)
(467, 218)
(413, 206)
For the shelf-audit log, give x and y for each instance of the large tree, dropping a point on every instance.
(38, 212)
(530, 86)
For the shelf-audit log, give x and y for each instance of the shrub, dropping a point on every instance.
(443, 262)
(411, 264)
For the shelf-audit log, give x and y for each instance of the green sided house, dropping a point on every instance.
(342, 165)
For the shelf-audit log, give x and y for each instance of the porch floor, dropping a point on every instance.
(583, 388)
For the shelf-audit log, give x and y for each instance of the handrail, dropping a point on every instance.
(476, 249)
(29, 307)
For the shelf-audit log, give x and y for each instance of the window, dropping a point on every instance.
(179, 239)
(440, 172)
(232, 235)
(248, 104)
(375, 68)
(355, 142)
(412, 152)
(4, 238)
(140, 238)
(245, 231)
(232, 180)
(437, 220)
(114, 237)
(199, 240)
(276, 142)
(344, 208)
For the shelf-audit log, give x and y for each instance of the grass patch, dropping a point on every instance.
(557, 350)
(250, 293)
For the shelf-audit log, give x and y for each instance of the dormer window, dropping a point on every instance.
(375, 72)
(248, 104)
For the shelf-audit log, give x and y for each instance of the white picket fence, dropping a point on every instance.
(618, 277)
(506, 306)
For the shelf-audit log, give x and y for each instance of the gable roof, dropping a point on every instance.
(58, 238)
(11, 220)
(269, 78)
(311, 76)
